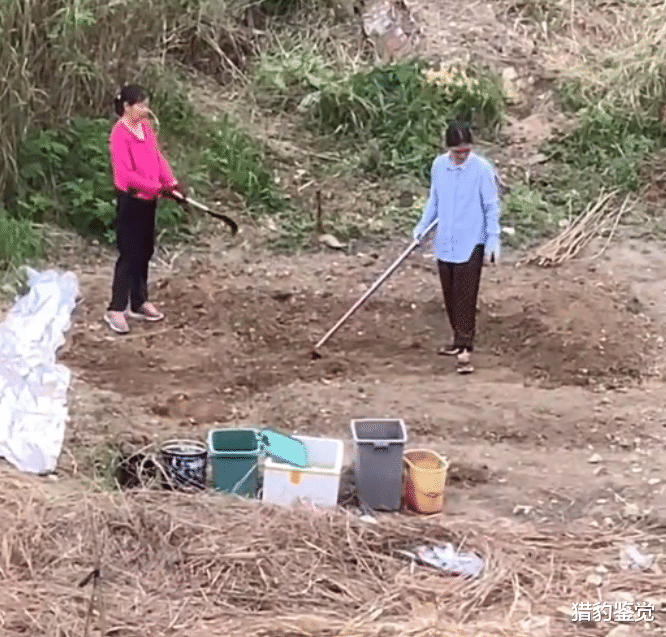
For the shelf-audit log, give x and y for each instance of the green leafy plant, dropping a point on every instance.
(402, 108)
(529, 215)
(605, 149)
(66, 179)
(20, 241)
(286, 74)
(212, 152)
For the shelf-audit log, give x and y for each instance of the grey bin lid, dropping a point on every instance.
(283, 448)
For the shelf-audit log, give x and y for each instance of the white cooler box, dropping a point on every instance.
(319, 483)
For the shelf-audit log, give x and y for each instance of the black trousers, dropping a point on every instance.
(135, 233)
(460, 286)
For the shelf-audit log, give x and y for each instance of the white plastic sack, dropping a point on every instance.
(33, 387)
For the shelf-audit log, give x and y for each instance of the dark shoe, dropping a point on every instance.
(451, 350)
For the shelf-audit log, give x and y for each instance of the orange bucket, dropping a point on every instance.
(424, 479)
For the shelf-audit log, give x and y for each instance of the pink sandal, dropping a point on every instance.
(148, 312)
(117, 323)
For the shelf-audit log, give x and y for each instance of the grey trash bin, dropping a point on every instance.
(378, 462)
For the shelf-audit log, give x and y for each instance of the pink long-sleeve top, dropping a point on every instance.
(137, 163)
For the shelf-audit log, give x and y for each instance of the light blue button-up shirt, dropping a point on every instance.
(465, 201)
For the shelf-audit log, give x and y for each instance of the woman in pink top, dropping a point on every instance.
(141, 175)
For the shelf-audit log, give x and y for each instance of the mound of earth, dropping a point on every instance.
(570, 332)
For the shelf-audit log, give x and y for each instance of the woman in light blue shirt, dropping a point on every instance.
(464, 198)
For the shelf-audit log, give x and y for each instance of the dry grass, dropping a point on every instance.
(68, 57)
(617, 52)
(209, 565)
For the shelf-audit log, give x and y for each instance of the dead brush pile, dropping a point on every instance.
(208, 565)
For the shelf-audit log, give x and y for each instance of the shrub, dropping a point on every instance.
(65, 58)
(404, 108)
(65, 172)
(20, 241)
(529, 214)
(606, 149)
(66, 179)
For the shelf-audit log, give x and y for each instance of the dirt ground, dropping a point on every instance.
(562, 420)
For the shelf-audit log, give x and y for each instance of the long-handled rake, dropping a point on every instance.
(370, 291)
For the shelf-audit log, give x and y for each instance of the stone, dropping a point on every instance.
(620, 631)
(631, 511)
(331, 242)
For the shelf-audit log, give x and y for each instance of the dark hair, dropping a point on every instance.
(130, 93)
(457, 134)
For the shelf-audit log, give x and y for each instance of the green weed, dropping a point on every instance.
(571, 94)
(403, 110)
(66, 172)
(20, 241)
(212, 152)
(286, 74)
(234, 159)
(605, 150)
(529, 214)
(66, 179)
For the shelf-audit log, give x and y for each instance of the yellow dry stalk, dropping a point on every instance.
(420, 202)
(451, 77)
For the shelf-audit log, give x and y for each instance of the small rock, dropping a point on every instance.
(509, 73)
(331, 242)
(622, 597)
(539, 158)
(632, 558)
(522, 509)
(620, 631)
(510, 84)
(631, 510)
(601, 569)
(601, 471)
(595, 459)
(538, 626)
(594, 579)
(653, 481)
